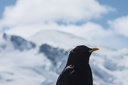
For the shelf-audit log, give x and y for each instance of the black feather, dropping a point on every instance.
(77, 70)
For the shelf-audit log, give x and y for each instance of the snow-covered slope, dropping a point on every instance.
(58, 39)
(40, 59)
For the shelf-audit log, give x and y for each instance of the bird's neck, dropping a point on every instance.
(82, 65)
(79, 65)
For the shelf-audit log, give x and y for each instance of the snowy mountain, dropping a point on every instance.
(15, 42)
(39, 59)
(58, 39)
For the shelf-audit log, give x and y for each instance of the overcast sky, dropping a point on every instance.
(102, 21)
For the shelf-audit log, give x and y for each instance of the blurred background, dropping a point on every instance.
(37, 35)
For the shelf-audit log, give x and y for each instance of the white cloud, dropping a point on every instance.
(98, 34)
(90, 31)
(30, 16)
(38, 11)
(25, 30)
(120, 25)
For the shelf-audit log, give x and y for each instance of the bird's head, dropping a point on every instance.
(80, 54)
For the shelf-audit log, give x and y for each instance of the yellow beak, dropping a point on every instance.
(93, 49)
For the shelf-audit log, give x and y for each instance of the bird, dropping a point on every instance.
(77, 70)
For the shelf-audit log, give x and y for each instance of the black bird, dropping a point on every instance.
(77, 70)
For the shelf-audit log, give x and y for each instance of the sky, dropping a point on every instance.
(102, 21)
(4, 3)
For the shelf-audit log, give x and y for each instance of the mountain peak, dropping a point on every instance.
(59, 39)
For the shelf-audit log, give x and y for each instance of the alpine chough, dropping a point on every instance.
(77, 70)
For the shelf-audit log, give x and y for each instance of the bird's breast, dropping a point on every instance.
(83, 76)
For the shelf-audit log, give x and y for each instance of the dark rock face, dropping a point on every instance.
(18, 43)
(5, 36)
(54, 54)
(21, 44)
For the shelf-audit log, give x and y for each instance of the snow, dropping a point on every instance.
(58, 39)
(23, 68)
(42, 64)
